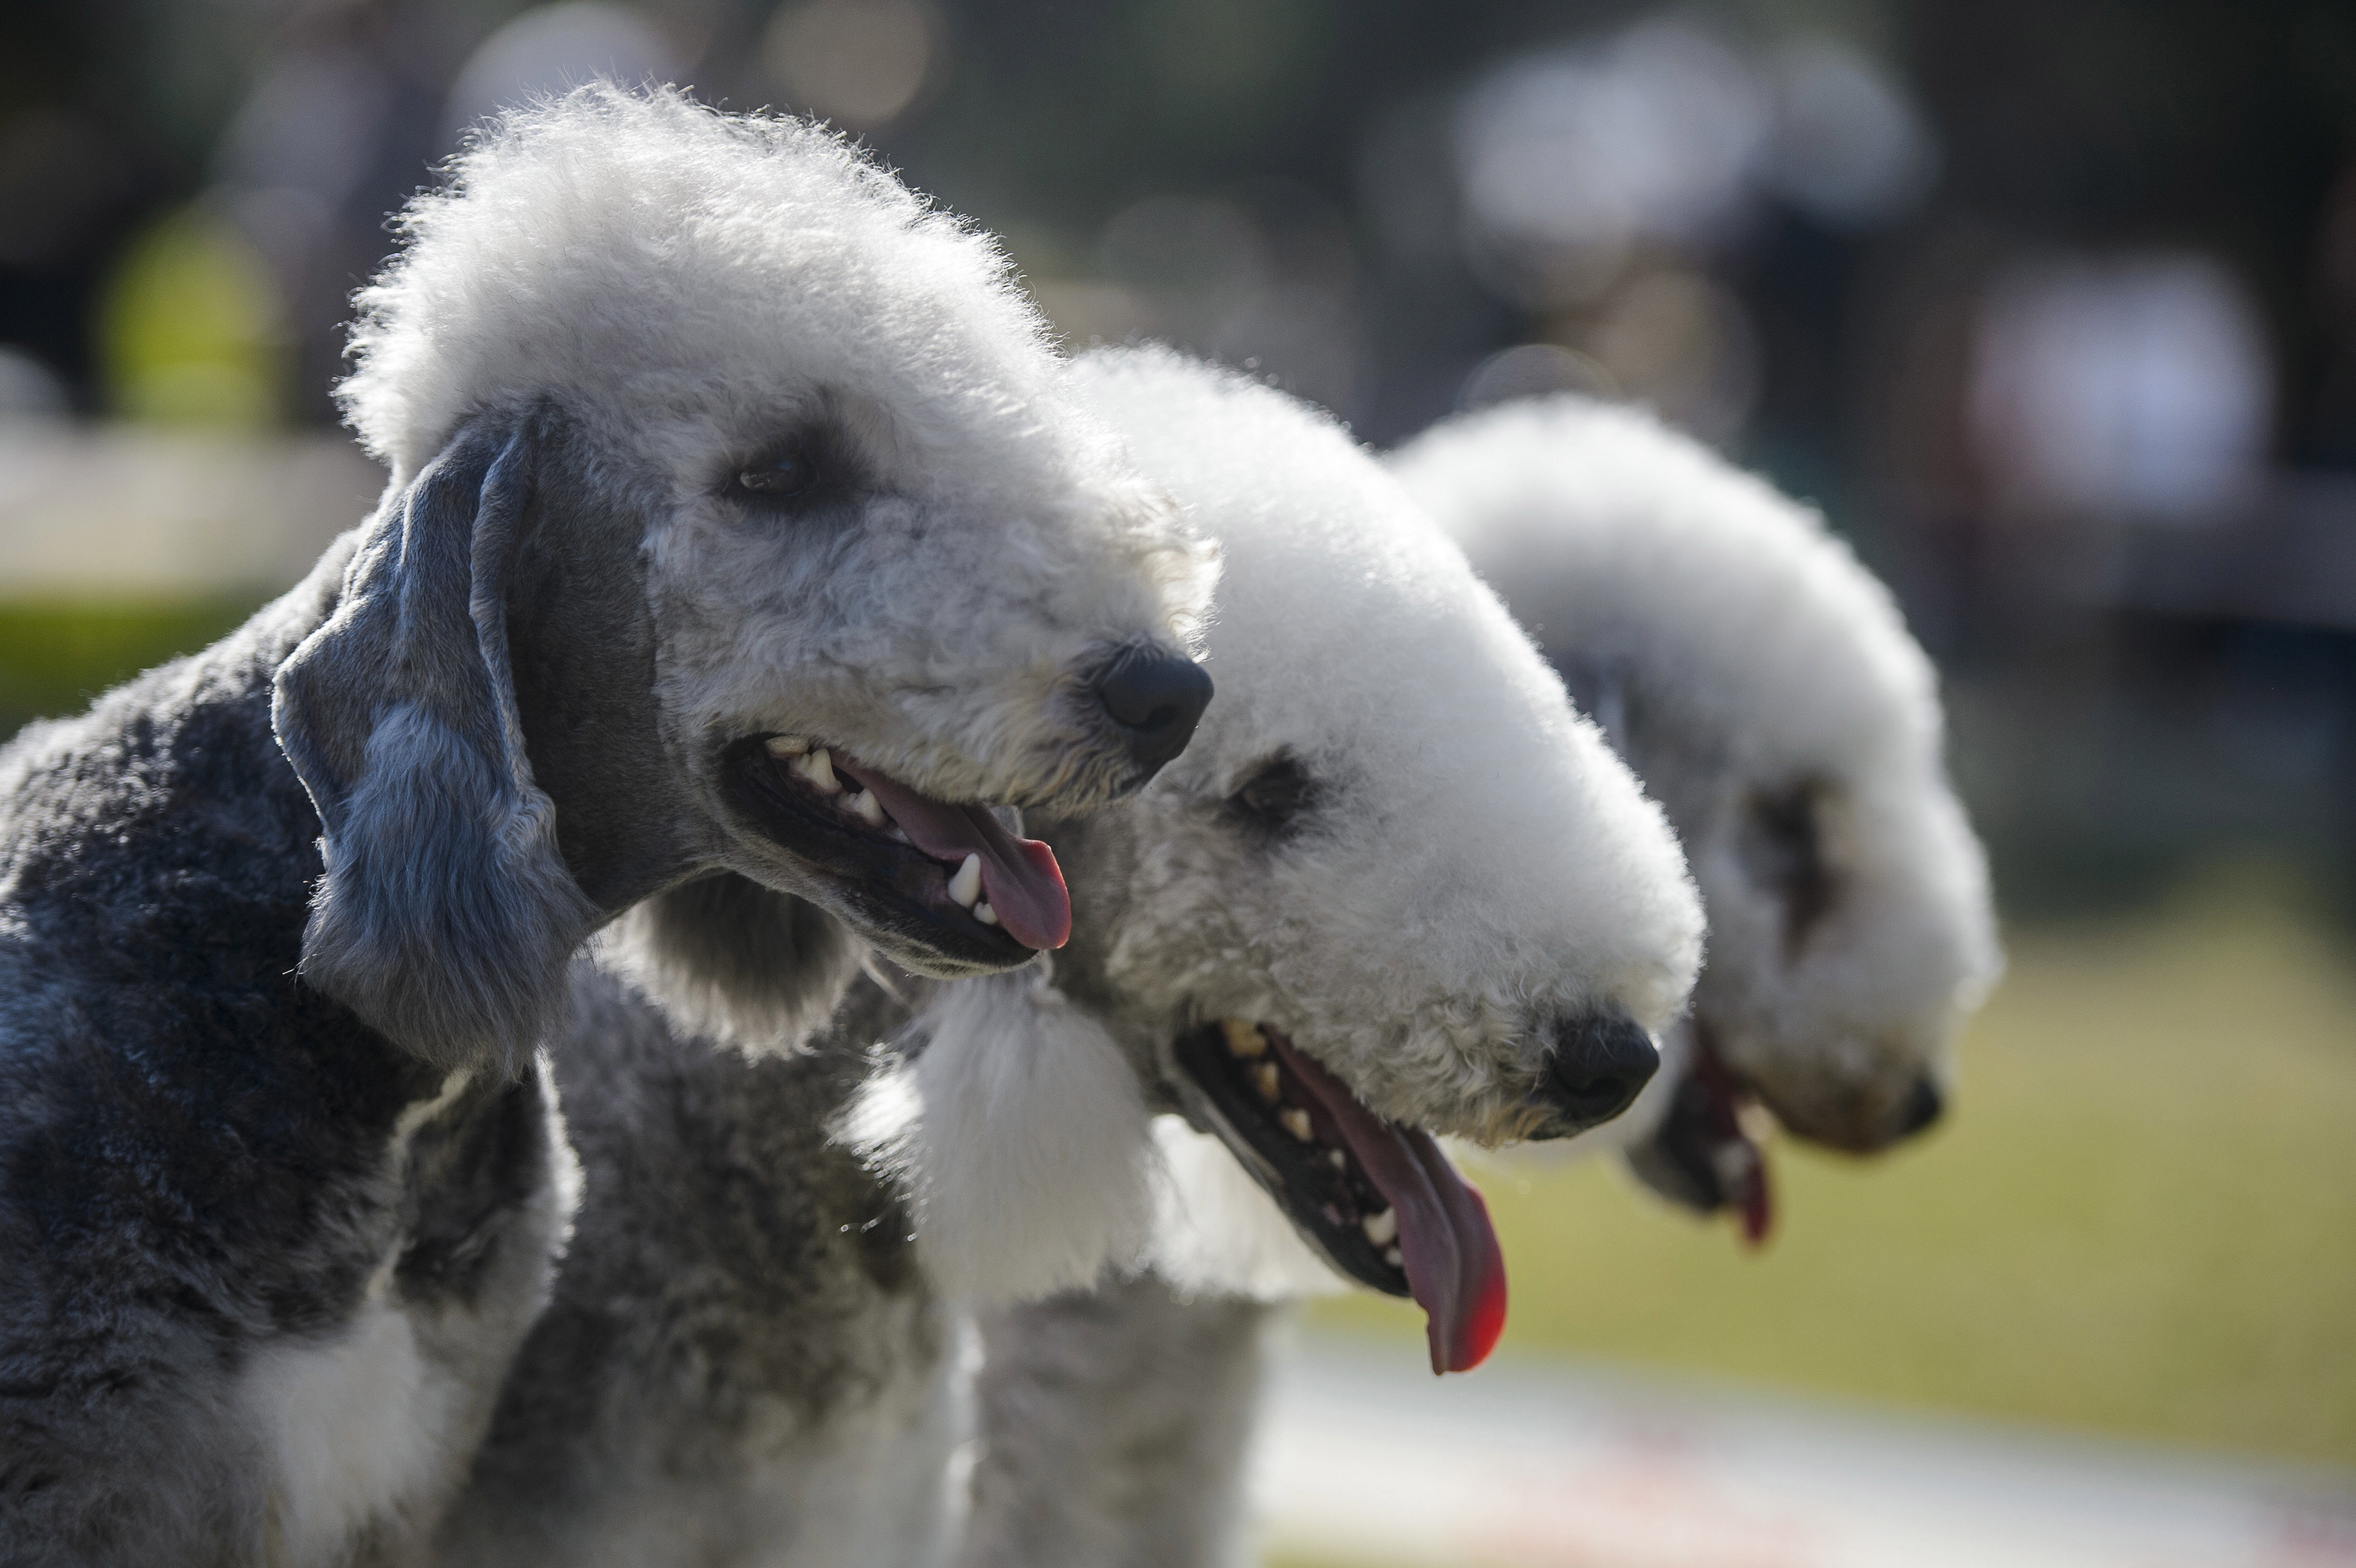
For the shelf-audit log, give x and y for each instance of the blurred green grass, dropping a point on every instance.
(2140, 1219)
(56, 654)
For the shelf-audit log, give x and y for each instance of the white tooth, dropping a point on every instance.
(1382, 1229)
(1296, 1121)
(818, 767)
(1264, 1078)
(1337, 1159)
(984, 913)
(1394, 1257)
(786, 745)
(867, 808)
(966, 886)
(1242, 1039)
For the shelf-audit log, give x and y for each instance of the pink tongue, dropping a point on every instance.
(1020, 880)
(1742, 1163)
(1454, 1267)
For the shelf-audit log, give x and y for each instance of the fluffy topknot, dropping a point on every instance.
(586, 240)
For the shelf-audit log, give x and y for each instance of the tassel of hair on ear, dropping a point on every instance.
(1020, 1137)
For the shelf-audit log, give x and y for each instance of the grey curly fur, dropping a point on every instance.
(283, 926)
(204, 1160)
(1113, 1426)
(446, 916)
(739, 1329)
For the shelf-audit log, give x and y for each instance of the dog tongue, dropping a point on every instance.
(1739, 1160)
(1758, 1200)
(1454, 1267)
(1020, 880)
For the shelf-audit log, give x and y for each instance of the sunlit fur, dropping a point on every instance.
(1478, 867)
(1020, 1137)
(692, 284)
(1733, 645)
(1745, 653)
(257, 1272)
(672, 290)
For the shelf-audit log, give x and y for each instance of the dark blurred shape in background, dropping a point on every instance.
(2052, 306)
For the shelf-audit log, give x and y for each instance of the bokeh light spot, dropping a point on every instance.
(190, 327)
(860, 63)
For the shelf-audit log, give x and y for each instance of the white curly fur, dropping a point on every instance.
(1020, 1137)
(1747, 652)
(689, 284)
(1480, 864)
(1478, 870)
(675, 292)
(1732, 646)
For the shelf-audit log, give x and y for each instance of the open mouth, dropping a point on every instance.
(949, 875)
(1710, 1151)
(1379, 1200)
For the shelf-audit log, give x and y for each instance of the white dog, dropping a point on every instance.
(1764, 688)
(704, 433)
(1393, 887)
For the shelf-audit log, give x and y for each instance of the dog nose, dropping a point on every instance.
(1601, 1063)
(1156, 699)
(1923, 1107)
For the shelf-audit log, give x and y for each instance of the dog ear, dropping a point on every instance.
(446, 915)
(1020, 1137)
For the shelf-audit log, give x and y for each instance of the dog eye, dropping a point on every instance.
(1782, 852)
(780, 474)
(1274, 802)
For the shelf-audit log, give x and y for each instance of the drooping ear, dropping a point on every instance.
(1020, 1137)
(446, 915)
(745, 963)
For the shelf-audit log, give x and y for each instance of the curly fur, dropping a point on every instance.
(640, 296)
(1734, 651)
(1764, 686)
(1021, 1136)
(744, 1361)
(1477, 867)
(1476, 864)
(1404, 935)
(445, 912)
(278, 1191)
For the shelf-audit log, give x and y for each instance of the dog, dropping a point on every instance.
(718, 463)
(1394, 887)
(1762, 686)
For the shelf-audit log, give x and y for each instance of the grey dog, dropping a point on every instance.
(718, 462)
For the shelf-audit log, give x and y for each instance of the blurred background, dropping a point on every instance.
(2051, 306)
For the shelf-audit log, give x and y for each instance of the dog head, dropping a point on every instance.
(1763, 686)
(1396, 887)
(739, 522)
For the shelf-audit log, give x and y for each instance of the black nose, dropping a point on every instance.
(1923, 1107)
(1600, 1065)
(1156, 699)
